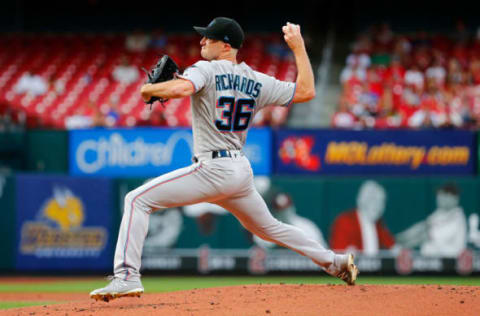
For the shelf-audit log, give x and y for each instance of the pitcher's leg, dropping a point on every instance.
(254, 215)
(180, 187)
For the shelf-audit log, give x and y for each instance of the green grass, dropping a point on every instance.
(167, 284)
(12, 304)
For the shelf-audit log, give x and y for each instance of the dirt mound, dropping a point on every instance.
(281, 300)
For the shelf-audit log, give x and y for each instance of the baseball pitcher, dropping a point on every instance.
(225, 96)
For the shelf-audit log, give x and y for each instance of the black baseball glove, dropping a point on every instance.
(164, 70)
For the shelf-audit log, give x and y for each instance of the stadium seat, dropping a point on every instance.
(77, 69)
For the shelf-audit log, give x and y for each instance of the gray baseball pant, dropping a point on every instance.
(227, 182)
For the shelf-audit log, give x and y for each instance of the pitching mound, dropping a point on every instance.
(280, 300)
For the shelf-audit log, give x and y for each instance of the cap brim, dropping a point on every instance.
(201, 30)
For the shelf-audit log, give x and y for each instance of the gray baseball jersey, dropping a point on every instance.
(227, 97)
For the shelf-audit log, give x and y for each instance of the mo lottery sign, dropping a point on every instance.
(376, 152)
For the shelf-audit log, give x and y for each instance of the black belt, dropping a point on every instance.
(217, 154)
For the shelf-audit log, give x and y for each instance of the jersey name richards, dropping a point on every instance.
(227, 97)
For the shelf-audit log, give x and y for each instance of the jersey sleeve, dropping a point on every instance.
(277, 92)
(198, 74)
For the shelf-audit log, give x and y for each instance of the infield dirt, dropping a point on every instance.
(269, 299)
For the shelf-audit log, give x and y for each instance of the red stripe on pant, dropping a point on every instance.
(131, 212)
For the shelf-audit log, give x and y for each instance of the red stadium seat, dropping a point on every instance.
(84, 64)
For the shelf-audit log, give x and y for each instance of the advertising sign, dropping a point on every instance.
(375, 152)
(149, 152)
(63, 223)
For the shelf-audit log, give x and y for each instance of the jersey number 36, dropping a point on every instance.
(236, 115)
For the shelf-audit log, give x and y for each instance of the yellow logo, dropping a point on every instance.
(65, 209)
(59, 231)
(359, 153)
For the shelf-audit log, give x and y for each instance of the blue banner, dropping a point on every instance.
(341, 152)
(64, 223)
(147, 152)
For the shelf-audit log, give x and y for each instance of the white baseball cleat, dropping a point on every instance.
(349, 271)
(118, 288)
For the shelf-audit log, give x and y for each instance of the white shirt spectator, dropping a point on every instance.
(437, 72)
(414, 77)
(362, 60)
(23, 84)
(32, 84)
(418, 118)
(78, 121)
(344, 120)
(349, 72)
(125, 74)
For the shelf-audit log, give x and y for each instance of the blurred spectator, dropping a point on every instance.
(387, 116)
(402, 47)
(56, 85)
(344, 118)
(456, 75)
(422, 57)
(137, 42)
(414, 77)
(410, 101)
(419, 80)
(31, 84)
(125, 73)
(460, 53)
(11, 119)
(112, 114)
(158, 40)
(395, 72)
(436, 72)
(77, 121)
(85, 117)
(355, 68)
(85, 66)
(474, 71)
(277, 48)
(367, 107)
(432, 111)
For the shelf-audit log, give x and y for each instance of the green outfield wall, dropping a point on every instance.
(7, 224)
(47, 151)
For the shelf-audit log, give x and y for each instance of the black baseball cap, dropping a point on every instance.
(223, 29)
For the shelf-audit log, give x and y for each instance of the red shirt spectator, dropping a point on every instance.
(374, 80)
(395, 73)
(410, 102)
